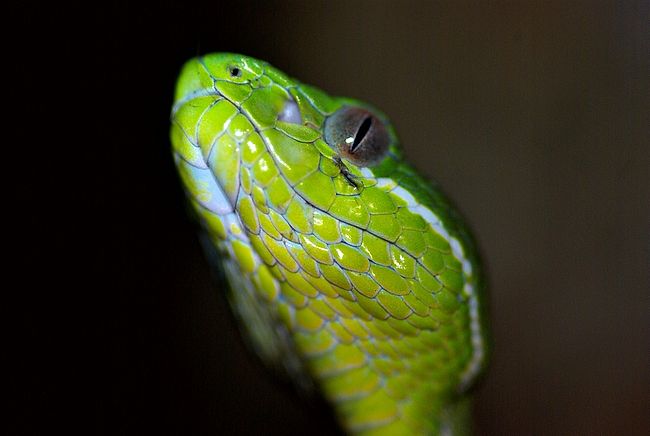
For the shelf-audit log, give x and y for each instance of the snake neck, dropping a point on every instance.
(456, 418)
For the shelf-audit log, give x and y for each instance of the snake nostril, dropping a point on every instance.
(235, 72)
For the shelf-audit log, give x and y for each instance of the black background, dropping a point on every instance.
(532, 115)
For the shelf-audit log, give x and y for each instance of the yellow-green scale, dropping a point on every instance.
(374, 299)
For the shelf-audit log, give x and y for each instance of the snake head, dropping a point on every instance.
(306, 127)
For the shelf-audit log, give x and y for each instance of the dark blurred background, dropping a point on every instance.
(532, 115)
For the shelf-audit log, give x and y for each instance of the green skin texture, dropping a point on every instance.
(372, 293)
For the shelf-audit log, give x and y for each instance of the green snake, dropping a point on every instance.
(349, 271)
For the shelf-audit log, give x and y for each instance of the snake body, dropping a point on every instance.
(348, 270)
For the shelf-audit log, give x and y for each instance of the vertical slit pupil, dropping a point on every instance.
(364, 127)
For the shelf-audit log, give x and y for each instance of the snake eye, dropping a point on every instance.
(358, 135)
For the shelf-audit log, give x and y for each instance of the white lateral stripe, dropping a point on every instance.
(385, 183)
(474, 365)
(404, 195)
